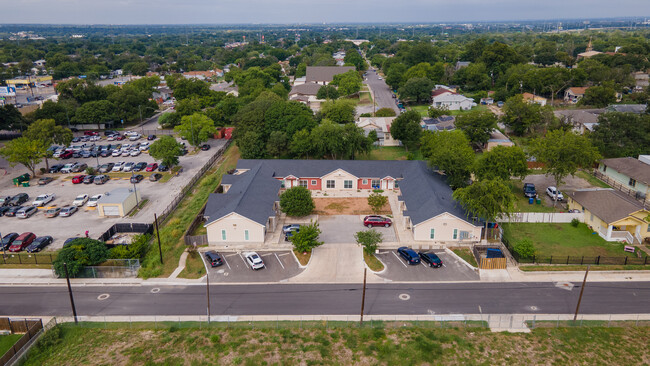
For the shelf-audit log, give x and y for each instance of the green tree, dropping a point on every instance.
(355, 141)
(297, 202)
(169, 119)
(622, 134)
(353, 57)
(307, 238)
(417, 90)
(348, 82)
(301, 145)
(563, 153)
(369, 239)
(167, 150)
(327, 92)
(599, 96)
(385, 112)
(46, 131)
(301, 70)
(426, 70)
(25, 151)
(327, 140)
(196, 128)
(434, 112)
(477, 125)
(78, 254)
(395, 76)
(96, 112)
(522, 117)
(339, 111)
(449, 151)
(11, 118)
(377, 201)
(502, 162)
(251, 145)
(277, 143)
(487, 199)
(406, 128)
(524, 249)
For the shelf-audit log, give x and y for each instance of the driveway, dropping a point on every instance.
(341, 229)
(541, 182)
(279, 266)
(398, 270)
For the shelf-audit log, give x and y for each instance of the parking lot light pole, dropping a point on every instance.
(137, 203)
(67, 278)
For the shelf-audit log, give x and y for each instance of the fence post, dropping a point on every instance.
(598, 260)
(550, 261)
(20, 260)
(625, 260)
(35, 259)
(582, 260)
(645, 261)
(567, 259)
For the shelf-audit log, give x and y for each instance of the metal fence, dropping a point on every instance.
(126, 228)
(112, 268)
(31, 328)
(26, 258)
(639, 196)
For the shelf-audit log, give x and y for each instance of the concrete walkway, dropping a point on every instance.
(333, 263)
(181, 265)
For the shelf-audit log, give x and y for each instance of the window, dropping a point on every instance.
(331, 184)
(245, 234)
(591, 217)
(303, 183)
(365, 181)
(223, 234)
(455, 234)
(313, 182)
(396, 184)
(432, 235)
(375, 183)
(347, 184)
(649, 228)
(464, 235)
(632, 182)
(282, 184)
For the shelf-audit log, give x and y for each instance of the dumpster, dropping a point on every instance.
(26, 184)
(494, 253)
(21, 178)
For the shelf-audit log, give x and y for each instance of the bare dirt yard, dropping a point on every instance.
(346, 206)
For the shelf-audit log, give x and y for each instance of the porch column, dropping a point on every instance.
(609, 232)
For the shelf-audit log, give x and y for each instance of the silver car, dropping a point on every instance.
(68, 211)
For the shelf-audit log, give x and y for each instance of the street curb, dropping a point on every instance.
(451, 252)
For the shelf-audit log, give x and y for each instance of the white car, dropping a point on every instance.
(118, 166)
(128, 166)
(43, 199)
(80, 200)
(116, 153)
(135, 152)
(67, 168)
(94, 138)
(254, 260)
(130, 133)
(92, 202)
(135, 137)
(144, 146)
(553, 193)
(126, 152)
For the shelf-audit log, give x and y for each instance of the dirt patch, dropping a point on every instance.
(346, 206)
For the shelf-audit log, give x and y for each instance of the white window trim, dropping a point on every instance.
(314, 182)
(345, 183)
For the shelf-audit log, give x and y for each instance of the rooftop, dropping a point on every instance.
(325, 73)
(117, 195)
(631, 167)
(607, 204)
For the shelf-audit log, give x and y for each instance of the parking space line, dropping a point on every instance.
(283, 254)
(398, 258)
(225, 261)
(278, 258)
(243, 260)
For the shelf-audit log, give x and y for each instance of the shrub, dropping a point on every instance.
(297, 202)
(575, 222)
(369, 239)
(43, 170)
(376, 201)
(524, 249)
(91, 171)
(78, 254)
(307, 238)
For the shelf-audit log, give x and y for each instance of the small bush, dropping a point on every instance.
(91, 171)
(524, 248)
(376, 201)
(215, 338)
(575, 222)
(43, 170)
(410, 156)
(51, 338)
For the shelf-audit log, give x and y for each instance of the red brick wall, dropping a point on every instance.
(317, 186)
(368, 184)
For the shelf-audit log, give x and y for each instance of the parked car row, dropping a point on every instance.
(13, 242)
(531, 192)
(252, 259)
(92, 150)
(413, 258)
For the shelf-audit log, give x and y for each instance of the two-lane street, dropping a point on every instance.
(380, 91)
(323, 299)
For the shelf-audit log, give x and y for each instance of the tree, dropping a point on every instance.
(622, 134)
(277, 143)
(307, 238)
(406, 128)
(339, 111)
(486, 199)
(348, 82)
(522, 117)
(369, 239)
(96, 112)
(355, 141)
(416, 90)
(524, 249)
(327, 140)
(449, 151)
(563, 153)
(11, 118)
(376, 202)
(46, 131)
(502, 162)
(327, 92)
(434, 112)
(297, 202)
(196, 128)
(599, 96)
(79, 253)
(169, 119)
(385, 112)
(301, 144)
(477, 125)
(353, 57)
(251, 145)
(167, 150)
(26, 152)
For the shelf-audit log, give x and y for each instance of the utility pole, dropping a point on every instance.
(363, 295)
(155, 218)
(582, 289)
(207, 292)
(67, 278)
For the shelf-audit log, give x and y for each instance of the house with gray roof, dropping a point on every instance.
(628, 174)
(628, 108)
(324, 75)
(248, 209)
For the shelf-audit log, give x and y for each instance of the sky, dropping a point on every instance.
(308, 11)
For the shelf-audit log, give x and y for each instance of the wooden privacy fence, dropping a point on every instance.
(492, 263)
(31, 328)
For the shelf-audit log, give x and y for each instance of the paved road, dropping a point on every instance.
(381, 91)
(282, 299)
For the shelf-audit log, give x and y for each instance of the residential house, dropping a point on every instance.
(611, 214)
(442, 123)
(443, 98)
(162, 93)
(630, 173)
(382, 126)
(306, 93)
(461, 64)
(582, 119)
(532, 98)
(628, 108)
(339, 57)
(574, 94)
(497, 138)
(248, 210)
(641, 81)
(325, 74)
(487, 101)
(202, 75)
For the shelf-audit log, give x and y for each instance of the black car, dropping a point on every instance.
(139, 166)
(155, 177)
(39, 243)
(4, 200)
(7, 240)
(55, 168)
(137, 178)
(45, 180)
(4, 209)
(214, 258)
(89, 179)
(529, 190)
(18, 199)
(432, 259)
(106, 153)
(205, 147)
(409, 255)
(11, 212)
(151, 137)
(163, 168)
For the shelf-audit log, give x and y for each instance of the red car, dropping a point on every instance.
(374, 220)
(152, 167)
(66, 155)
(78, 179)
(22, 242)
(90, 133)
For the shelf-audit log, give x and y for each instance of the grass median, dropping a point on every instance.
(372, 262)
(194, 267)
(171, 231)
(466, 254)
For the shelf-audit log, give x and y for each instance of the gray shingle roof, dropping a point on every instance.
(425, 193)
(305, 89)
(631, 167)
(325, 73)
(607, 204)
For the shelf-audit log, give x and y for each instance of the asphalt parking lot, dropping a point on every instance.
(278, 266)
(158, 194)
(398, 270)
(341, 229)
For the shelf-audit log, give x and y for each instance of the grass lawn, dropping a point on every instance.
(466, 254)
(561, 240)
(303, 258)
(533, 268)
(424, 110)
(372, 262)
(172, 229)
(365, 98)
(592, 180)
(389, 153)
(522, 205)
(7, 341)
(391, 343)
(194, 267)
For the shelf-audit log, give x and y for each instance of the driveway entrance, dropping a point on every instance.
(341, 229)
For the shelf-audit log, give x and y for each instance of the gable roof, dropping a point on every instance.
(628, 108)
(631, 167)
(578, 90)
(305, 89)
(607, 204)
(325, 73)
(451, 97)
(441, 91)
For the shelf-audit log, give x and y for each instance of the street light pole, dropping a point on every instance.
(582, 289)
(67, 278)
(363, 296)
(155, 218)
(135, 189)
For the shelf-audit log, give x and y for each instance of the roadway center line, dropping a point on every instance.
(399, 259)
(278, 258)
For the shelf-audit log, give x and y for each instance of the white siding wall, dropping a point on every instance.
(339, 176)
(444, 226)
(235, 226)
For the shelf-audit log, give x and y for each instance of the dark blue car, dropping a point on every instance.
(431, 259)
(409, 255)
